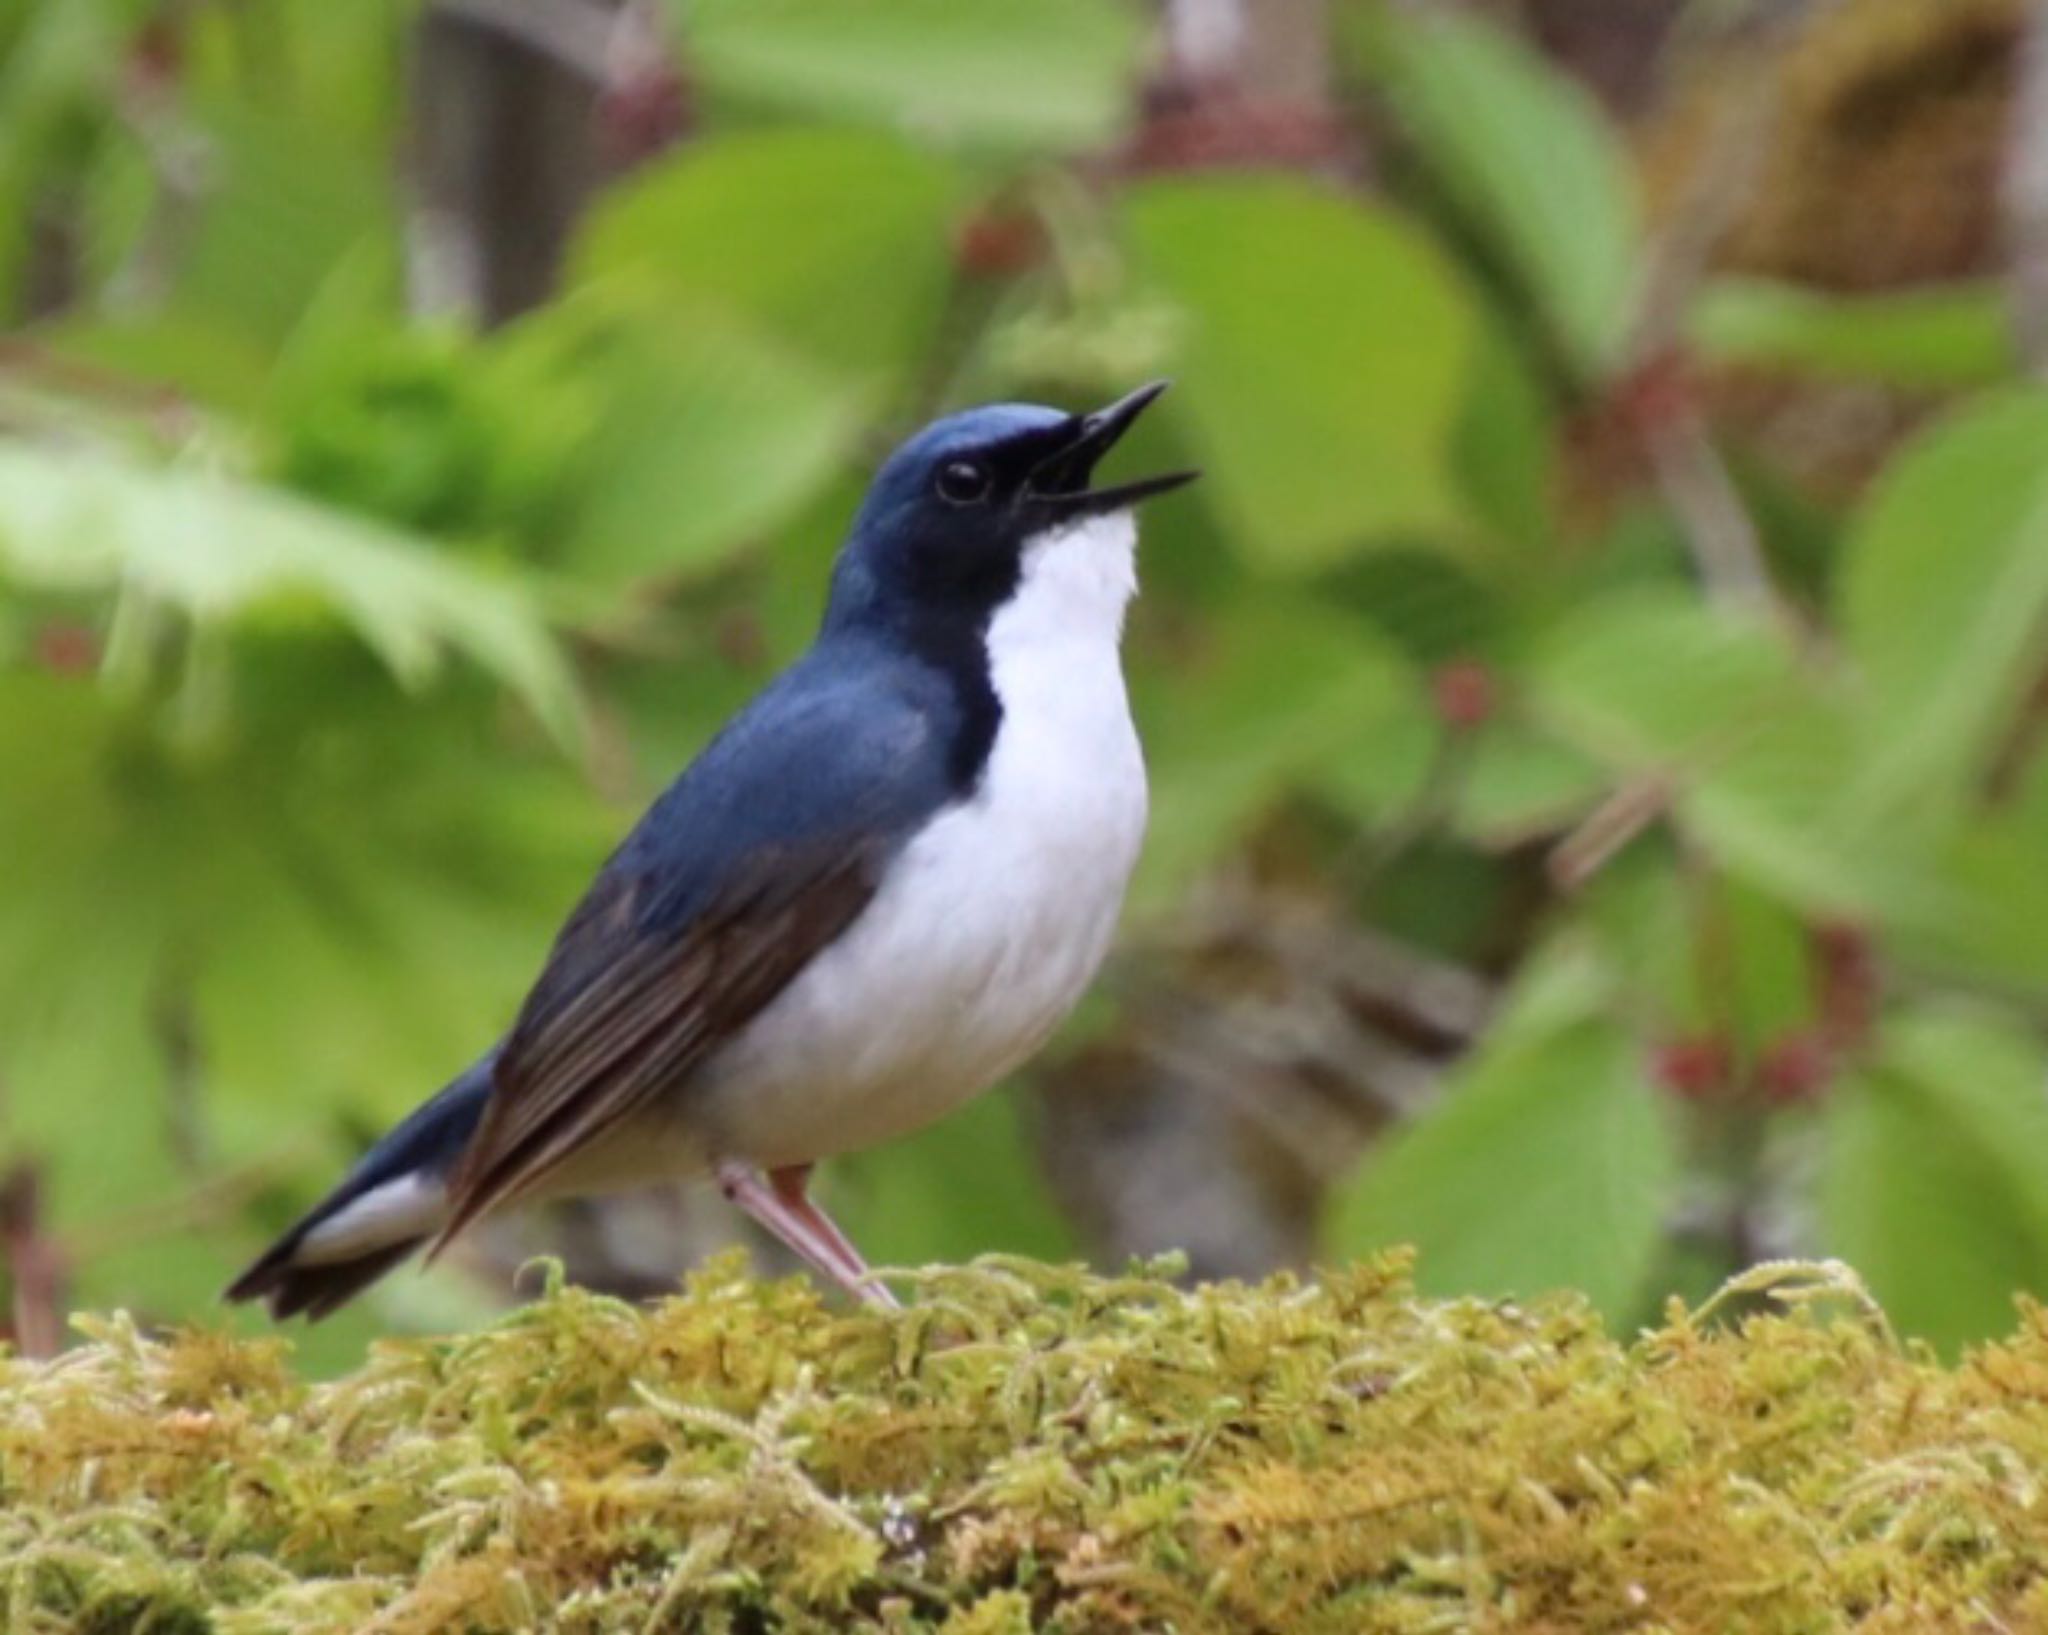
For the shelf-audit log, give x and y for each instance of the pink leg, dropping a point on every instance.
(791, 1187)
(782, 1206)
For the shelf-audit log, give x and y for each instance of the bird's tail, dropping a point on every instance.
(385, 1209)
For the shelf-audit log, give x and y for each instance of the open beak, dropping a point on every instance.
(1059, 483)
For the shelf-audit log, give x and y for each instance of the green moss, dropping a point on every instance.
(1033, 1448)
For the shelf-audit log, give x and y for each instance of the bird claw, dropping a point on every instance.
(783, 1208)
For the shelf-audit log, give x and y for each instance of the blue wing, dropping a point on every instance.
(761, 854)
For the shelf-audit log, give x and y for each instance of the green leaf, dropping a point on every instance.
(352, 972)
(1932, 338)
(84, 943)
(1428, 604)
(1547, 1164)
(1772, 808)
(1031, 74)
(77, 1035)
(1935, 1182)
(1943, 598)
(834, 243)
(1521, 784)
(1762, 982)
(218, 550)
(339, 69)
(713, 436)
(1524, 152)
(1639, 917)
(216, 365)
(56, 100)
(1323, 363)
(1998, 931)
(286, 204)
(1282, 691)
(1754, 749)
(1658, 679)
(1383, 765)
(54, 63)
(1505, 447)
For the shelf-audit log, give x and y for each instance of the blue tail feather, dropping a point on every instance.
(426, 1146)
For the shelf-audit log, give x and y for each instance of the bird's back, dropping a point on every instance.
(852, 740)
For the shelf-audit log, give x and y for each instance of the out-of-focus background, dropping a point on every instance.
(1596, 700)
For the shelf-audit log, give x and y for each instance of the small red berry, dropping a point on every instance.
(156, 54)
(994, 243)
(67, 649)
(643, 114)
(1793, 1068)
(1849, 980)
(1695, 1068)
(1658, 392)
(1463, 693)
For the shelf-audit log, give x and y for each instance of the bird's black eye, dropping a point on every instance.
(963, 482)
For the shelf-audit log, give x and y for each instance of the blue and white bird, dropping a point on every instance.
(877, 890)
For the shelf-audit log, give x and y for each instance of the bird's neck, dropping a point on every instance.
(1047, 649)
(1073, 586)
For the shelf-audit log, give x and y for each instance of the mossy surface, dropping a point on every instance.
(1035, 1448)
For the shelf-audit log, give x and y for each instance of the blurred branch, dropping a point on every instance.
(1433, 996)
(1438, 1005)
(1238, 83)
(577, 34)
(177, 1044)
(1234, 1054)
(1202, 38)
(1724, 179)
(49, 276)
(1614, 49)
(1715, 193)
(2027, 739)
(1247, 1076)
(183, 166)
(169, 413)
(1441, 998)
(1690, 472)
(522, 108)
(2026, 195)
(1276, 1037)
(35, 1266)
(212, 1202)
(504, 99)
(1695, 483)
(1608, 828)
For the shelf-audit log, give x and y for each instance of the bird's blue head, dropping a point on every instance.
(945, 524)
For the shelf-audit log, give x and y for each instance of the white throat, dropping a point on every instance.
(1070, 596)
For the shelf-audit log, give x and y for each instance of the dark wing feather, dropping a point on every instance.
(766, 848)
(621, 1015)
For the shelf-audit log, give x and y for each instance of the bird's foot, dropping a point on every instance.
(781, 1204)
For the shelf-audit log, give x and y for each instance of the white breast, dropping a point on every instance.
(994, 919)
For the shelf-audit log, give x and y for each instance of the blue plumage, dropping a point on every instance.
(759, 857)
(426, 1143)
(853, 742)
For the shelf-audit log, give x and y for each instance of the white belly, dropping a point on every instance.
(990, 924)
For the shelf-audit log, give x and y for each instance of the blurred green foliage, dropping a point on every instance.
(335, 647)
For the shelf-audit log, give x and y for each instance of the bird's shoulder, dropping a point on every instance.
(840, 747)
(845, 751)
